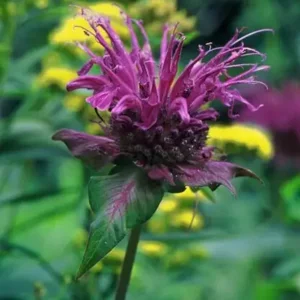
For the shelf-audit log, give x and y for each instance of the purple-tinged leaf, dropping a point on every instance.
(213, 174)
(120, 202)
(148, 194)
(95, 151)
(161, 172)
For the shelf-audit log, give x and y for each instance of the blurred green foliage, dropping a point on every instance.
(245, 248)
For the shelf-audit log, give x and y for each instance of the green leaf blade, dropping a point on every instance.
(104, 236)
(120, 202)
(147, 198)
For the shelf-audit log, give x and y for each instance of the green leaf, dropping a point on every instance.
(27, 62)
(207, 192)
(178, 188)
(120, 202)
(18, 197)
(148, 195)
(28, 139)
(290, 193)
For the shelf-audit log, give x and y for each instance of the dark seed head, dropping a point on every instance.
(174, 133)
(184, 142)
(159, 130)
(168, 140)
(189, 132)
(167, 143)
(130, 137)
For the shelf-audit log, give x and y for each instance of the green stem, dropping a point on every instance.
(128, 263)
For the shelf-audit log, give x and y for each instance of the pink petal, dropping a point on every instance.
(179, 106)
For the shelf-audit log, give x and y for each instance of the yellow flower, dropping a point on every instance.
(162, 8)
(115, 256)
(39, 290)
(168, 204)
(98, 267)
(198, 251)
(12, 9)
(56, 76)
(69, 32)
(157, 224)
(117, 270)
(152, 248)
(80, 237)
(189, 195)
(93, 128)
(155, 13)
(184, 218)
(41, 3)
(242, 135)
(186, 23)
(67, 279)
(74, 102)
(178, 258)
(54, 58)
(113, 260)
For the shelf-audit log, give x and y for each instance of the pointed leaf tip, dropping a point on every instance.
(57, 135)
(213, 174)
(243, 172)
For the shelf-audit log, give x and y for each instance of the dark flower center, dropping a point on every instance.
(166, 143)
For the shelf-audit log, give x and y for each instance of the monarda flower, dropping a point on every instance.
(158, 124)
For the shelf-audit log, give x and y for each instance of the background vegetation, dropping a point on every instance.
(244, 248)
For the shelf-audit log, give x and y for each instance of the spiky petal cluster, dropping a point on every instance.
(157, 118)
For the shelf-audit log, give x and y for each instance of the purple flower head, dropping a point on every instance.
(280, 115)
(158, 119)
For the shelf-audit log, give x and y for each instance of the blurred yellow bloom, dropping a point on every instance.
(115, 256)
(39, 290)
(93, 128)
(67, 279)
(69, 32)
(80, 237)
(157, 224)
(242, 135)
(178, 258)
(98, 267)
(189, 195)
(198, 251)
(152, 248)
(155, 13)
(113, 260)
(11, 8)
(162, 8)
(74, 102)
(168, 204)
(90, 115)
(184, 218)
(41, 3)
(54, 58)
(56, 76)
(117, 270)
(186, 23)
